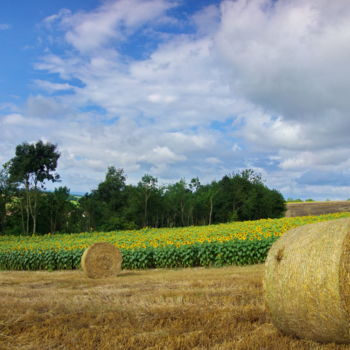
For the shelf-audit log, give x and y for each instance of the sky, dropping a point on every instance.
(181, 89)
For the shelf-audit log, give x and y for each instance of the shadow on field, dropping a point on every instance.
(128, 274)
(195, 308)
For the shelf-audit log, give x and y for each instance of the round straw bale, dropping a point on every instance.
(101, 260)
(307, 282)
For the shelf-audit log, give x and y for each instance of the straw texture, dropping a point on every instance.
(101, 260)
(307, 282)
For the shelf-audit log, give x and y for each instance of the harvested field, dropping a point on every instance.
(198, 308)
(316, 208)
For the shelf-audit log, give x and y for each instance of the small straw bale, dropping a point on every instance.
(307, 282)
(101, 260)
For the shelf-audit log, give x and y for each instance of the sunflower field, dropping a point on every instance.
(238, 243)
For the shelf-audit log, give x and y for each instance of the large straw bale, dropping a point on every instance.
(307, 282)
(101, 260)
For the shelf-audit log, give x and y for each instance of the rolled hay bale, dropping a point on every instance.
(307, 282)
(101, 260)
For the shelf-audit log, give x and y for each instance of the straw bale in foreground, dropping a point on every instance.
(307, 282)
(101, 260)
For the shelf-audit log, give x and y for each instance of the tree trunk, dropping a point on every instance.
(28, 206)
(32, 207)
(145, 217)
(182, 207)
(211, 209)
(22, 217)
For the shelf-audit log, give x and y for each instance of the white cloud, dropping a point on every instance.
(12, 119)
(4, 26)
(236, 148)
(158, 98)
(162, 154)
(89, 31)
(335, 159)
(52, 87)
(213, 160)
(290, 60)
(207, 19)
(272, 77)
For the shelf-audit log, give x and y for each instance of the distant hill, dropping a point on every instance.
(316, 208)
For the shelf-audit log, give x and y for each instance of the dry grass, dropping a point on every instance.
(316, 208)
(183, 309)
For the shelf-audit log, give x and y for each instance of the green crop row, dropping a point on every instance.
(235, 252)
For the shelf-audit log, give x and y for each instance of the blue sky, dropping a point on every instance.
(181, 89)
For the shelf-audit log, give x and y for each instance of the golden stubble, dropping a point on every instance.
(197, 308)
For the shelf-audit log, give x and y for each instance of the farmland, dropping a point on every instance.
(236, 243)
(316, 208)
(182, 309)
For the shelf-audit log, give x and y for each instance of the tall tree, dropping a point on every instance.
(213, 191)
(7, 190)
(148, 186)
(111, 190)
(177, 195)
(59, 209)
(32, 165)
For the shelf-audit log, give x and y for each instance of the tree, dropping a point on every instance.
(7, 190)
(32, 165)
(147, 185)
(177, 197)
(194, 186)
(251, 176)
(213, 191)
(59, 209)
(90, 211)
(111, 189)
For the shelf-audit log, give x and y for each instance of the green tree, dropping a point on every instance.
(243, 196)
(32, 165)
(177, 197)
(91, 208)
(111, 190)
(7, 192)
(147, 186)
(60, 209)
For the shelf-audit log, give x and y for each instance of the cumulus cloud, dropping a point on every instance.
(88, 148)
(290, 59)
(113, 20)
(259, 83)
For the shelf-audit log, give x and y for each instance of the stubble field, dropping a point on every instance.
(193, 308)
(316, 208)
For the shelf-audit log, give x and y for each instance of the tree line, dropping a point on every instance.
(27, 208)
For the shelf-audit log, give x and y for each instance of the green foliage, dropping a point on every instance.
(238, 243)
(201, 254)
(114, 205)
(7, 192)
(40, 259)
(32, 165)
